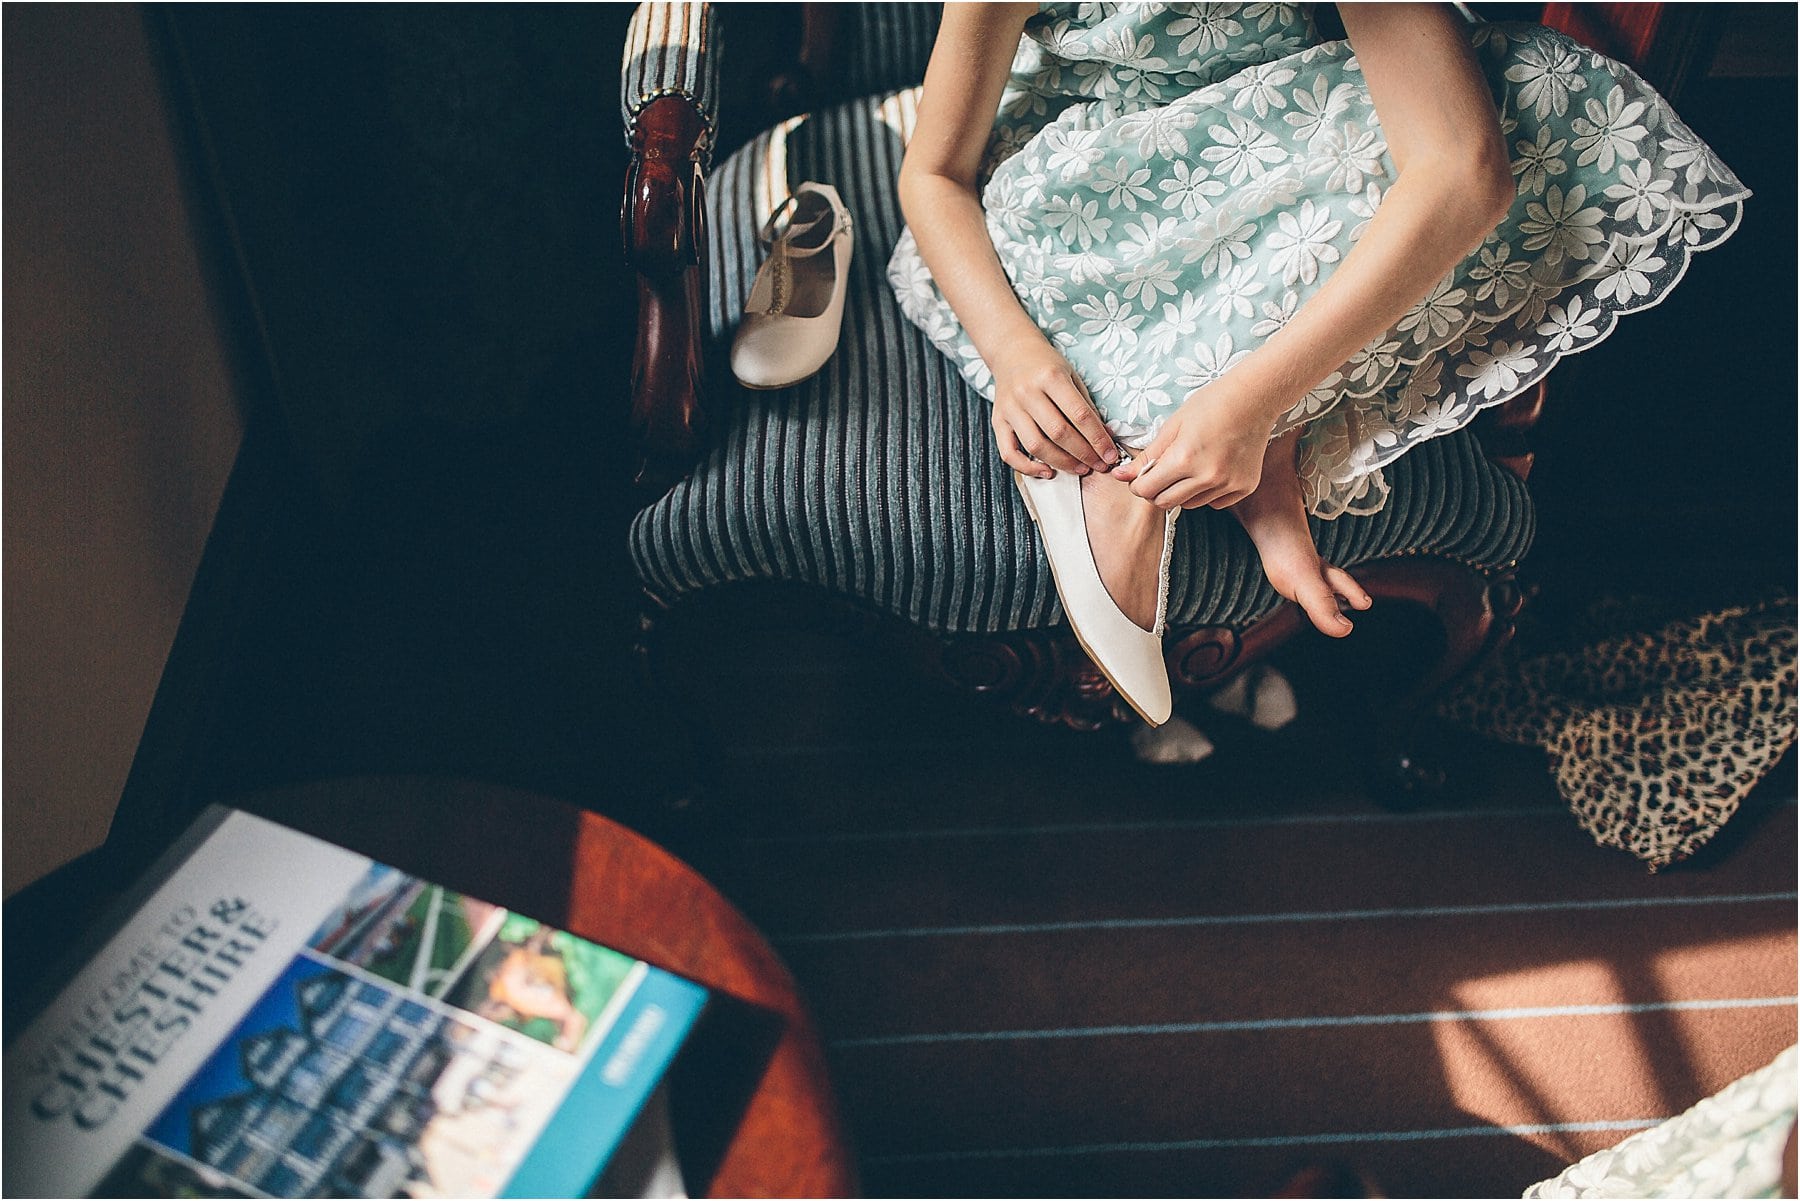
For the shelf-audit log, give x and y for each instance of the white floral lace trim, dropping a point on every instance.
(1345, 447)
(1340, 463)
(1728, 1145)
(1498, 323)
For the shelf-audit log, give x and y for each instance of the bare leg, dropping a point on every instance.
(1125, 533)
(1275, 518)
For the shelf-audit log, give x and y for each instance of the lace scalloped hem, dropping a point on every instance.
(1157, 244)
(1351, 435)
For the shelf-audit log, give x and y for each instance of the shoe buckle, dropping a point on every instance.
(767, 237)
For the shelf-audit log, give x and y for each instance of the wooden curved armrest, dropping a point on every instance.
(663, 226)
(1504, 430)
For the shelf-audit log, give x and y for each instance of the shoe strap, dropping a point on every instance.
(768, 238)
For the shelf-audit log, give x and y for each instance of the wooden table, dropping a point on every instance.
(595, 878)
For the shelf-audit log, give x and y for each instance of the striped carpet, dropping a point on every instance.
(1043, 970)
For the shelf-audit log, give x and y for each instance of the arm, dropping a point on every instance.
(1041, 408)
(1454, 184)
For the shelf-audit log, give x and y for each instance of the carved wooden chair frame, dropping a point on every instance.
(1037, 672)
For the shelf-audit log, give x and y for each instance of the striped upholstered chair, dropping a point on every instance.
(875, 481)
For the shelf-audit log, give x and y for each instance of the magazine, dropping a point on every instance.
(283, 1017)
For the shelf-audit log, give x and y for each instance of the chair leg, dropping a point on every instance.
(1478, 615)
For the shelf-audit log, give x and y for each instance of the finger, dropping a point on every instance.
(1016, 458)
(1345, 585)
(1045, 451)
(1152, 477)
(1072, 399)
(1227, 500)
(1165, 438)
(1320, 604)
(1189, 493)
(1129, 469)
(1013, 453)
(1151, 456)
(1057, 428)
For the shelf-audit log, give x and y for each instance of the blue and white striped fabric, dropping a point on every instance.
(877, 479)
(671, 49)
(880, 47)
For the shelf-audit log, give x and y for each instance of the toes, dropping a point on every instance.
(1320, 604)
(1345, 585)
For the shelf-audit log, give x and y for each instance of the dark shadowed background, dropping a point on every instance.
(362, 262)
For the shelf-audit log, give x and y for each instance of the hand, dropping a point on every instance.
(1042, 411)
(1208, 453)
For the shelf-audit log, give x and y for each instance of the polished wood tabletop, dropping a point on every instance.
(598, 879)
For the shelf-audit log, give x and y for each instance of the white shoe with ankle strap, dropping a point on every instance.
(1126, 653)
(796, 306)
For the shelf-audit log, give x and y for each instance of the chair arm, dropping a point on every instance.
(671, 49)
(1505, 429)
(669, 97)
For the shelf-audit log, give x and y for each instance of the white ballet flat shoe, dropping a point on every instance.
(796, 306)
(1126, 653)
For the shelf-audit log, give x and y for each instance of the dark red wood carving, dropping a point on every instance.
(1040, 673)
(663, 224)
(1504, 430)
(1622, 31)
(1044, 674)
(1670, 45)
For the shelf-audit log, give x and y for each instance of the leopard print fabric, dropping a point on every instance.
(1654, 735)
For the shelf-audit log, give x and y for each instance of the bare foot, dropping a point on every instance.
(1275, 518)
(1125, 533)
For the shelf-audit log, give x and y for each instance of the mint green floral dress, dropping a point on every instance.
(1167, 184)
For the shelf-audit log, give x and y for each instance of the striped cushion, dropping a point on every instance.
(671, 49)
(881, 47)
(878, 479)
